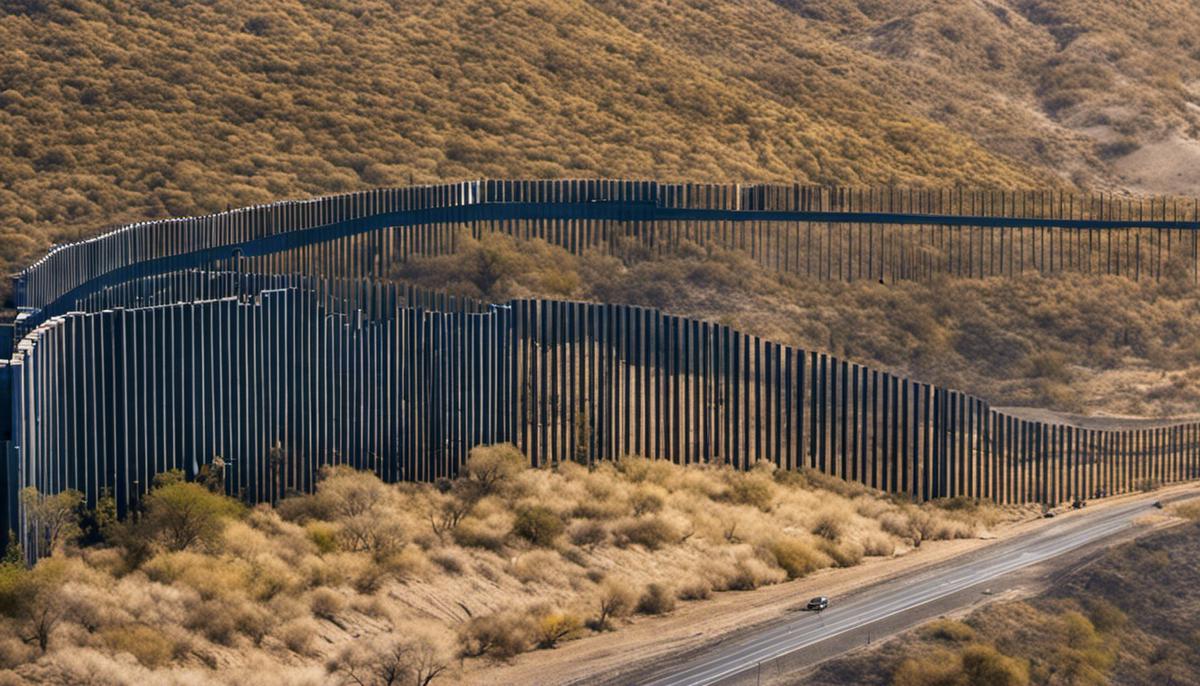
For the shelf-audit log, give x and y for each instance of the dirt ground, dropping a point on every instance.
(697, 623)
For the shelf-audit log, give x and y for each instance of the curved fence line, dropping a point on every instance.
(273, 340)
(68, 268)
(278, 383)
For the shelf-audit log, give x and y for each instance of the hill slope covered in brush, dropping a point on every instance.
(118, 111)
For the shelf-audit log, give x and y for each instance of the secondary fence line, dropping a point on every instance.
(824, 233)
(272, 338)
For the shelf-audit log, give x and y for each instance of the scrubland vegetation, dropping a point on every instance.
(1128, 617)
(119, 112)
(1071, 343)
(362, 581)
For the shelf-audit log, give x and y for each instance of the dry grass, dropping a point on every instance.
(116, 113)
(1071, 343)
(570, 550)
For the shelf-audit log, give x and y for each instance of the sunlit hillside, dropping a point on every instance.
(116, 111)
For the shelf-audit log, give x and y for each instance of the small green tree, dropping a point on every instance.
(181, 515)
(31, 597)
(14, 554)
(171, 476)
(539, 525)
(55, 518)
(490, 467)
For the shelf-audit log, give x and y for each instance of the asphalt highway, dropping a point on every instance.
(727, 659)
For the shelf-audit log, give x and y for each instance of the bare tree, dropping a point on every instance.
(413, 655)
(614, 600)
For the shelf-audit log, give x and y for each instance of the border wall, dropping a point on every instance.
(271, 338)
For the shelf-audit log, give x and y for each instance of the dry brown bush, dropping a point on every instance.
(500, 636)
(613, 599)
(266, 576)
(696, 589)
(657, 599)
(298, 635)
(151, 648)
(327, 603)
(649, 532)
(796, 557)
(587, 533)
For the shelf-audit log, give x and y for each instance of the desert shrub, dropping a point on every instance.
(343, 493)
(877, 545)
(379, 533)
(602, 507)
(897, 524)
(214, 620)
(950, 630)
(490, 468)
(828, 525)
(476, 533)
(539, 566)
(297, 635)
(54, 518)
(552, 626)
(647, 499)
(14, 652)
(574, 555)
(983, 665)
(32, 598)
(938, 668)
(500, 636)
(844, 553)
(327, 603)
(587, 533)
(181, 515)
(210, 576)
(1105, 616)
(450, 561)
(931, 525)
(149, 645)
(253, 621)
(748, 573)
(613, 599)
(697, 589)
(413, 654)
(649, 532)
(537, 524)
(753, 489)
(796, 557)
(656, 599)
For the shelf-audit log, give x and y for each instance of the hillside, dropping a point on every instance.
(1101, 624)
(112, 112)
(1071, 342)
(362, 577)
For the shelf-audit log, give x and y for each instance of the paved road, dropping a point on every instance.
(905, 593)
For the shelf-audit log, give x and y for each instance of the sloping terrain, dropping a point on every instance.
(502, 560)
(111, 112)
(1128, 617)
(1069, 343)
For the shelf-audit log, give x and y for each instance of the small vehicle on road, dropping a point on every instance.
(817, 604)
